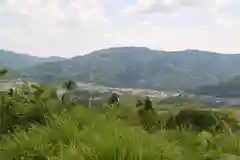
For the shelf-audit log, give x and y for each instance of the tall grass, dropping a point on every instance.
(72, 132)
(84, 134)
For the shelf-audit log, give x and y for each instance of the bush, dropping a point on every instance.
(149, 120)
(199, 120)
(25, 106)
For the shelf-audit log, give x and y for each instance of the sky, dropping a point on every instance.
(75, 27)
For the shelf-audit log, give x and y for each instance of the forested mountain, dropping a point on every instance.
(16, 61)
(137, 67)
(229, 88)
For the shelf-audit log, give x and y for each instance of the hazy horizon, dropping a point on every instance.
(46, 56)
(68, 28)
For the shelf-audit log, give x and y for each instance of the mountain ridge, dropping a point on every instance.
(22, 60)
(141, 67)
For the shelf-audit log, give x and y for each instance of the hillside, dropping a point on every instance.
(229, 88)
(16, 61)
(37, 125)
(137, 67)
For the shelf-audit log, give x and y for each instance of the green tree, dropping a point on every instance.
(11, 92)
(68, 86)
(92, 80)
(139, 103)
(148, 104)
(3, 71)
(114, 99)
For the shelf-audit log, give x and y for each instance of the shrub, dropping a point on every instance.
(25, 106)
(200, 120)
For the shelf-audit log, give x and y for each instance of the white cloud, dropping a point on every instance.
(224, 22)
(70, 27)
(46, 27)
(51, 11)
(156, 6)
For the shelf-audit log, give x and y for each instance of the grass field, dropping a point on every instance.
(35, 125)
(83, 134)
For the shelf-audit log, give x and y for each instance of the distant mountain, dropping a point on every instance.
(137, 67)
(16, 61)
(50, 59)
(229, 88)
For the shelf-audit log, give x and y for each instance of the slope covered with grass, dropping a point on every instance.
(36, 125)
(83, 134)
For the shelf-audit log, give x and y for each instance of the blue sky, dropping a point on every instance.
(74, 27)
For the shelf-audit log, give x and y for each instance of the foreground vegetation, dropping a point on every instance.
(37, 124)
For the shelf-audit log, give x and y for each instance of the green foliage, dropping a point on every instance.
(199, 120)
(83, 134)
(98, 138)
(3, 71)
(148, 104)
(113, 99)
(69, 85)
(139, 103)
(35, 124)
(149, 120)
(25, 106)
